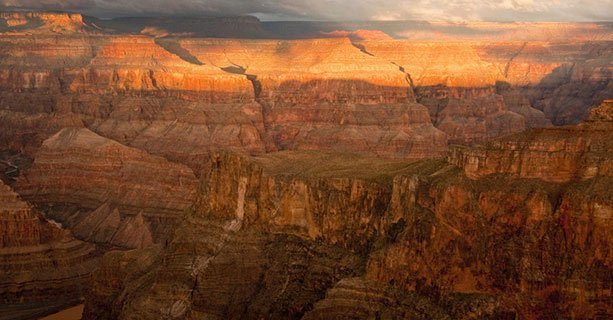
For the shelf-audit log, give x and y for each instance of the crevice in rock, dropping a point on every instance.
(238, 69)
(362, 48)
(508, 65)
(176, 49)
(257, 85)
(408, 77)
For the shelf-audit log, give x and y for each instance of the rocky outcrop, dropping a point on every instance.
(510, 238)
(257, 219)
(422, 238)
(42, 266)
(105, 225)
(182, 99)
(360, 298)
(76, 171)
(41, 22)
(558, 155)
(559, 81)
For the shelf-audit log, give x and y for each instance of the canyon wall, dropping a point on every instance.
(478, 90)
(406, 239)
(107, 192)
(106, 127)
(42, 266)
(182, 98)
(556, 154)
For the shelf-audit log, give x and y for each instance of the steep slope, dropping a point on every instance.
(182, 99)
(556, 154)
(104, 189)
(42, 267)
(423, 239)
(557, 80)
(324, 92)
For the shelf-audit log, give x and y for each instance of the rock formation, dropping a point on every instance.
(183, 98)
(424, 239)
(410, 239)
(324, 190)
(42, 266)
(559, 81)
(104, 189)
(41, 22)
(556, 154)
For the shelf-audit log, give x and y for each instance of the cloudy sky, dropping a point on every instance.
(440, 10)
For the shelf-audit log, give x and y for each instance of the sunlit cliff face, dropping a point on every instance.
(224, 167)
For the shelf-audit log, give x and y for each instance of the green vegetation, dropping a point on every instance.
(317, 164)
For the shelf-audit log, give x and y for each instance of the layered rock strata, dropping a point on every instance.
(557, 154)
(107, 192)
(258, 220)
(422, 238)
(41, 22)
(255, 96)
(42, 266)
(539, 81)
(184, 98)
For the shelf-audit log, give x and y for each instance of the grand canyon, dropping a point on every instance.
(227, 167)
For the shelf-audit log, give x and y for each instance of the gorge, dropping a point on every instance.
(229, 168)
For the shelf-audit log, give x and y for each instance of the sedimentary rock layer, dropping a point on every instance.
(478, 90)
(94, 184)
(183, 98)
(41, 265)
(557, 154)
(41, 22)
(256, 96)
(422, 238)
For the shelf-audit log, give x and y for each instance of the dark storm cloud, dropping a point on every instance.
(454, 10)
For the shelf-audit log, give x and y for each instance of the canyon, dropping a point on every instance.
(229, 168)
(38, 260)
(276, 236)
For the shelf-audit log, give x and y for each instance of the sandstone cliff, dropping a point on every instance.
(104, 189)
(257, 96)
(539, 81)
(182, 99)
(423, 240)
(41, 22)
(42, 267)
(556, 154)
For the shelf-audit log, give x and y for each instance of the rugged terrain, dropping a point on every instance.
(182, 97)
(233, 168)
(38, 260)
(353, 237)
(107, 192)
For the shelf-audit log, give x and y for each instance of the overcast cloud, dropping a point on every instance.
(439, 10)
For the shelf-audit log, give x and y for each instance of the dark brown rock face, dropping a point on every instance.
(107, 192)
(357, 238)
(41, 266)
(557, 154)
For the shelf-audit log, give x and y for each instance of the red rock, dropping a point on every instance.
(78, 168)
(42, 22)
(39, 262)
(555, 154)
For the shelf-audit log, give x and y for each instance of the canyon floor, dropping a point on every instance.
(229, 168)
